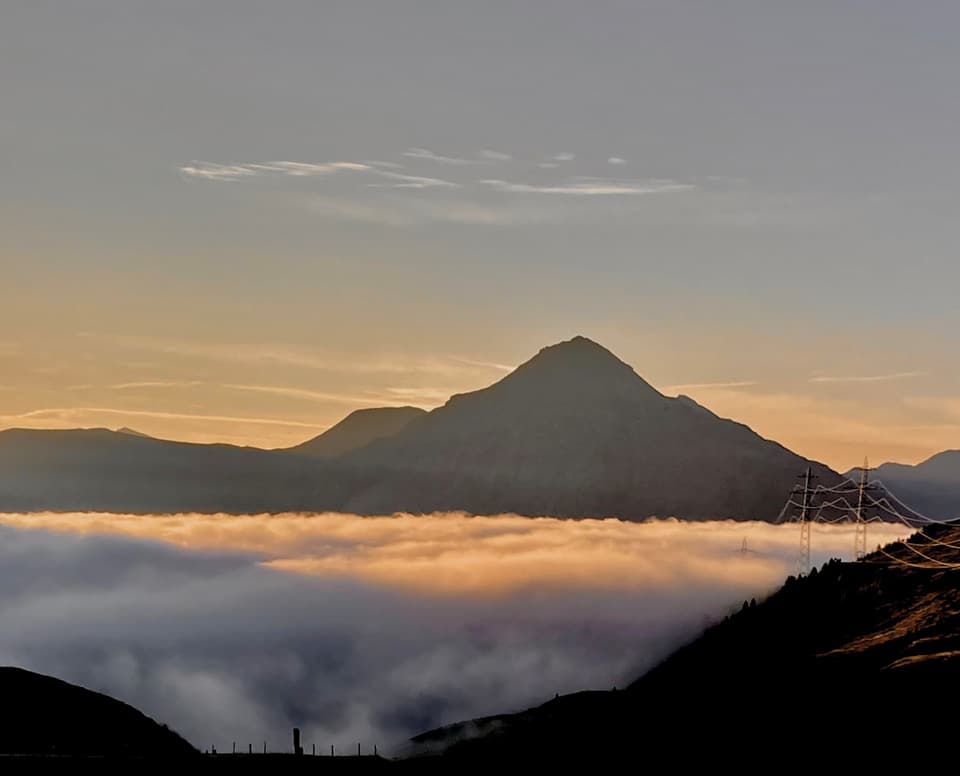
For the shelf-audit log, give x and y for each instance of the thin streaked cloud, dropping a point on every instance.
(591, 187)
(217, 172)
(485, 364)
(310, 395)
(288, 354)
(881, 378)
(495, 156)
(430, 396)
(708, 386)
(147, 384)
(404, 181)
(235, 172)
(426, 154)
(73, 415)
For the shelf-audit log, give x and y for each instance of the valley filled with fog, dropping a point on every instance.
(368, 629)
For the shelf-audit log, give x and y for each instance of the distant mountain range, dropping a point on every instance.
(931, 488)
(573, 432)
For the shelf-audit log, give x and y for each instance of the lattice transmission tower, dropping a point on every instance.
(803, 563)
(860, 528)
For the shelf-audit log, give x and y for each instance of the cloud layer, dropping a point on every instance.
(364, 629)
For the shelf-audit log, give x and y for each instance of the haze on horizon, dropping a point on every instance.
(226, 222)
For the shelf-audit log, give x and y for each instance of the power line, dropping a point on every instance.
(857, 514)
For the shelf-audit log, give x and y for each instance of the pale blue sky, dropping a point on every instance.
(732, 192)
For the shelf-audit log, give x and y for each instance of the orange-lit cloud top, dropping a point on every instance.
(458, 554)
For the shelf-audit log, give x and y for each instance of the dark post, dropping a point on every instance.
(249, 748)
(331, 750)
(297, 749)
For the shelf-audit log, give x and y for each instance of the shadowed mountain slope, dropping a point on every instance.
(873, 648)
(43, 715)
(576, 432)
(97, 469)
(359, 428)
(931, 487)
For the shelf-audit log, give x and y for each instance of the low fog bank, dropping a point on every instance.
(366, 629)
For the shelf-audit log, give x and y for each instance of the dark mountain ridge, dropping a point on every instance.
(931, 487)
(102, 470)
(573, 432)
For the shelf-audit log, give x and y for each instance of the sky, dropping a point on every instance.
(236, 628)
(238, 221)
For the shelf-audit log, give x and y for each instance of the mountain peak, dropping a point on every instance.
(580, 363)
(359, 428)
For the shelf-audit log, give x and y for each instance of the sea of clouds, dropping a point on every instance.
(367, 629)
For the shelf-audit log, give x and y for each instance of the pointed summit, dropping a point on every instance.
(576, 432)
(580, 366)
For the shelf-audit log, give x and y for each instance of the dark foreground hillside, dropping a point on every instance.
(40, 715)
(857, 661)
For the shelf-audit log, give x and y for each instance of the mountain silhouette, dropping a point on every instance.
(132, 432)
(41, 715)
(358, 429)
(866, 643)
(576, 432)
(102, 470)
(573, 432)
(932, 487)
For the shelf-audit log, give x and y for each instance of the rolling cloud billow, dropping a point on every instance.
(365, 629)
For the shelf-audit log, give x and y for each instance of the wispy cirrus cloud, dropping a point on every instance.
(217, 172)
(591, 187)
(405, 181)
(420, 395)
(881, 378)
(148, 384)
(73, 415)
(235, 172)
(486, 364)
(495, 156)
(390, 397)
(564, 157)
(310, 395)
(294, 355)
(709, 386)
(616, 160)
(427, 155)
